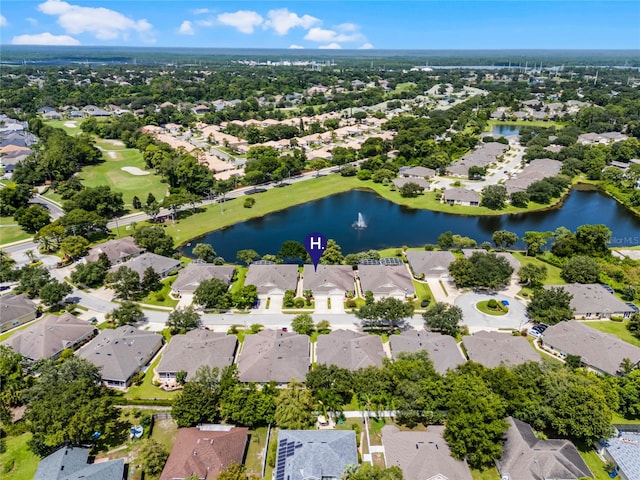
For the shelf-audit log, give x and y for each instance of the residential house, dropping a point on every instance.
(527, 457)
(592, 300)
(417, 172)
(193, 350)
(443, 350)
(117, 251)
(534, 171)
(513, 261)
(349, 349)
(329, 281)
(163, 266)
(602, 352)
(603, 138)
(274, 355)
(94, 111)
(493, 349)
(200, 109)
(623, 451)
(433, 264)
(72, 463)
(272, 279)
(315, 454)
(401, 182)
(195, 273)
(50, 336)
(483, 156)
(205, 451)
(385, 281)
(16, 310)
(51, 115)
(461, 196)
(121, 353)
(422, 455)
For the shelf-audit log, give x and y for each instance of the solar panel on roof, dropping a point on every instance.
(263, 262)
(391, 261)
(369, 261)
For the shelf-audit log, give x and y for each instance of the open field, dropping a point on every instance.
(618, 329)
(525, 123)
(18, 462)
(11, 232)
(66, 125)
(553, 273)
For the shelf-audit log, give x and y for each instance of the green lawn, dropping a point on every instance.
(422, 291)
(592, 460)
(147, 389)
(484, 308)
(525, 123)
(241, 273)
(11, 232)
(487, 474)
(6, 335)
(255, 451)
(70, 130)
(553, 272)
(18, 462)
(618, 329)
(161, 298)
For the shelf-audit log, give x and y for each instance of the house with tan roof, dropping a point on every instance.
(350, 350)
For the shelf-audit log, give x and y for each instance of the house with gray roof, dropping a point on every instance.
(602, 352)
(121, 353)
(422, 455)
(71, 463)
(513, 261)
(193, 274)
(493, 349)
(314, 454)
(443, 350)
(527, 457)
(417, 172)
(461, 196)
(193, 350)
(350, 350)
(534, 171)
(274, 355)
(50, 336)
(592, 300)
(401, 182)
(163, 266)
(483, 156)
(328, 279)
(117, 250)
(16, 310)
(385, 281)
(433, 264)
(272, 279)
(623, 451)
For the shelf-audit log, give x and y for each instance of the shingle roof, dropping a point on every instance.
(269, 278)
(418, 171)
(430, 263)
(314, 454)
(328, 279)
(15, 306)
(385, 280)
(348, 349)
(273, 355)
(199, 347)
(70, 463)
(140, 263)
(193, 274)
(115, 250)
(443, 351)
(50, 336)
(492, 349)
(599, 350)
(525, 457)
(459, 194)
(204, 453)
(422, 455)
(534, 171)
(593, 298)
(485, 154)
(401, 182)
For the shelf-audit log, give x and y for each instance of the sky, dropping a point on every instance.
(354, 24)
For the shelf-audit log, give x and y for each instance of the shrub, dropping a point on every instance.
(351, 303)
(492, 303)
(425, 302)
(249, 202)
(298, 302)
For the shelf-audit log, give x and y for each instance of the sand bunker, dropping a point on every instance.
(113, 155)
(70, 124)
(135, 171)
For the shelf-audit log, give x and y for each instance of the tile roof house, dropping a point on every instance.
(117, 251)
(350, 350)
(193, 274)
(163, 266)
(461, 196)
(602, 352)
(70, 463)
(194, 349)
(272, 279)
(50, 336)
(443, 350)
(328, 279)
(273, 355)
(314, 454)
(422, 455)
(592, 300)
(430, 263)
(121, 353)
(385, 281)
(16, 310)
(493, 349)
(205, 451)
(526, 457)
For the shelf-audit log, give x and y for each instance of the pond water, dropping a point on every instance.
(391, 225)
(505, 130)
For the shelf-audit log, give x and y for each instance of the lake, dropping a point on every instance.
(505, 130)
(392, 225)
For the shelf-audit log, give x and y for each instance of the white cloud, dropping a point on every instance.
(3, 21)
(347, 27)
(186, 28)
(244, 21)
(200, 11)
(317, 34)
(205, 23)
(104, 23)
(45, 38)
(31, 20)
(331, 46)
(282, 20)
(366, 46)
(293, 46)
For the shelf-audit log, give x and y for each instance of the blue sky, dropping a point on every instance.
(381, 24)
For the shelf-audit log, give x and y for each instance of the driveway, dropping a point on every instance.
(442, 289)
(322, 304)
(275, 304)
(337, 303)
(476, 320)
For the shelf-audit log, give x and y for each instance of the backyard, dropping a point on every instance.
(619, 329)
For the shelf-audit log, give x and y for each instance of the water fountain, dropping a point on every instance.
(360, 223)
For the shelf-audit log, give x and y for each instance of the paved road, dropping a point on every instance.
(516, 317)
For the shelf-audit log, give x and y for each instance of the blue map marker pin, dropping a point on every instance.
(315, 243)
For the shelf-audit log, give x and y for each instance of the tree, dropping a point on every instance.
(32, 279)
(535, 241)
(195, 404)
(411, 190)
(494, 197)
(519, 199)
(247, 256)
(150, 280)
(581, 269)
(245, 297)
(90, 274)
(235, 471)
(32, 218)
(244, 404)
(476, 173)
(74, 246)
(204, 251)
(384, 315)
(213, 293)
(629, 390)
(485, 270)
(154, 240)
(14, 196)
(533, 275)
(593, 240)
(294, 408)
(634, 325)
(445, 240)
(367, 471)
(293, 251)
(152, 456)
(125, 282)
(128, 313)
(302, 324)
(443, 318)
(54, 292)
(182, 320)
(332, 254)
(550, 306)
(504, 238)
(136, 203)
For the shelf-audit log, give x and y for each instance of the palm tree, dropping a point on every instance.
(30, 255)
